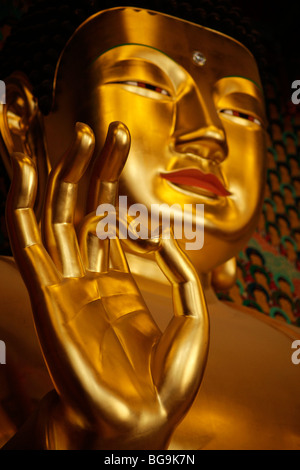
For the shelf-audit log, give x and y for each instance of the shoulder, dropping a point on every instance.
(24, 377)
(290, 331)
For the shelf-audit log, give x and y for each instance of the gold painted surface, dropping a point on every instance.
(125, 363)
(189, 128)
(94, 319)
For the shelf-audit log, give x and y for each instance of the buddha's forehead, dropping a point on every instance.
(178, 39)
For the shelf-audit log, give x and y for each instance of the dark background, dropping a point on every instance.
(279, 23)
(268, 274)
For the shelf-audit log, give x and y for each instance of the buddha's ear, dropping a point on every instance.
(224, 276)
(21, 130)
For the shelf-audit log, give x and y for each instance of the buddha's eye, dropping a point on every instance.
(146, 86)
(238, 114)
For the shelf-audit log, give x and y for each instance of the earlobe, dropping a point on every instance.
(224, 276)
(21, 130)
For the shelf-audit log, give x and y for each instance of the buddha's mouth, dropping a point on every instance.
(194, 179)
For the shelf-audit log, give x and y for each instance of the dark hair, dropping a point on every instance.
(37, 40)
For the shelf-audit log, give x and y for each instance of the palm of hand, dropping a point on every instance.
(112, 325)
(108, 360)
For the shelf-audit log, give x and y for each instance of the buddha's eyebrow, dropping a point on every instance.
(246, 78)
(131, 44)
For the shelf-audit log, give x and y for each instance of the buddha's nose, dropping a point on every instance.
(198, 127)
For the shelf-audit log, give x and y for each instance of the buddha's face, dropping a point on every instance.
(197, 126)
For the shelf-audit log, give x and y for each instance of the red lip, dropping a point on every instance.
(195, 177)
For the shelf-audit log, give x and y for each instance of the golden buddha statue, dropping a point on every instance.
(127, 346)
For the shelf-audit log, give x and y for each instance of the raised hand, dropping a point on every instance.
(120, 382)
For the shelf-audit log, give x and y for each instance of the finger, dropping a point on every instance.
(135, 234)
(57, 224)
(174, 264)
(117, 258)
(94, 252)
(35, 264)
(108, 167)
(105, 226)
(103, 190)
(98, 255)
(186, 338)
